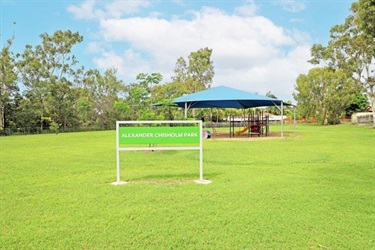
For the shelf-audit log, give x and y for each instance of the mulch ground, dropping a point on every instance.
(244, 136)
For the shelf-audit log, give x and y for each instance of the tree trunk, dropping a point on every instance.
(324, 116)
(65, 122)
(41, 116)
(2, 117)
(41, 123)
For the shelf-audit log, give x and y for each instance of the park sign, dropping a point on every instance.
(159, 135)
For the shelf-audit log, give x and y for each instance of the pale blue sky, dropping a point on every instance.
(258, 45)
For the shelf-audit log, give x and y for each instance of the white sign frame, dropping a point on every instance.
(118, 148)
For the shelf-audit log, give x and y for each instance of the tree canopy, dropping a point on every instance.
(324, 93)
(8, 84)
(365, 12)
(59, 94)
(351, 51)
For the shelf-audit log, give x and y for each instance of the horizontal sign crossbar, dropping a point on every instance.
(158, 148)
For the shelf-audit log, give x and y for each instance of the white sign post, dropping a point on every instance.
(133, 134)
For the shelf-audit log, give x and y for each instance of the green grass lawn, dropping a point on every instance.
(315, 189)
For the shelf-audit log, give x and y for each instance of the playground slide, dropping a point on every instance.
(243, 130)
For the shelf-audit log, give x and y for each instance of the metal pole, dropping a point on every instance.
(185, 110)
(282, 120)
(294, 114)
(200, 153)
(117, 153)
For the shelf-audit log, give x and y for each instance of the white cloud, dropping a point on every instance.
(128, 65)
(277, 74)
(91, 9)
(249, 52)
(253, 37)
(85, 10)
(177, 1)
(109, 60)
(247, 9)
(118, 8)
(291, 5)
(94, 47)
(296, 20)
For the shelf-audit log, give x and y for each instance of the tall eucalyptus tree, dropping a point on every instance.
(48, 71)
(8, 80)
(352, 50)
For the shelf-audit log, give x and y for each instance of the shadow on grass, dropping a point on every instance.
(165, 179)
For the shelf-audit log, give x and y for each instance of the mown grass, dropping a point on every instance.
(314, 189)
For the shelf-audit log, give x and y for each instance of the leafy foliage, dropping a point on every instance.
(365, 11)
(351, 49)
(48, 72)
(358, 104)
(8, 84)
(324, 93)
(197, 74)
(61, 95)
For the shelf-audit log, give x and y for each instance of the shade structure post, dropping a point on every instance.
(185, 110)
(200, 156)
(282, 120)
(225, 97)
(294, 117)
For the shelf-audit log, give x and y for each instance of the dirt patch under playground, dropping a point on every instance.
(244, 136)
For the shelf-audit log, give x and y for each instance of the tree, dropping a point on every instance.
(84, 107)
(48, 72)
(101, 94)
(365, 12)
(180, 71)
(201, 67)
(8, 78)
(197, 74)
(358, 104)
(165, 95)
(140, 96)
(272, 109)
(324, 94)
(12, 112)
(149, 82)
(350, 50)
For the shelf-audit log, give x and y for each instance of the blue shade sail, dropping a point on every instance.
(225, 97)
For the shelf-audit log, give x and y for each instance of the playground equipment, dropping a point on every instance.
(257, 124)
(211, 125)
(244, 130)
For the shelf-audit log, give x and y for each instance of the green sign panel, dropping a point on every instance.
(159, 135)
